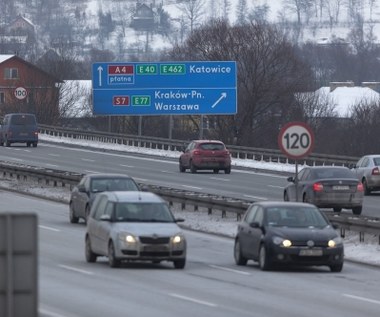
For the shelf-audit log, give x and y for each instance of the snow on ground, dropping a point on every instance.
(364, 252)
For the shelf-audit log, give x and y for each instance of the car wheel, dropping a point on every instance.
(304, 198)
(7, 143)
(357, 210)
(263, 259)
(193, 169)
(34, 144)
(337, 209)
(86, 214)
(73, 218)
(90, 256)
(336, 268)
(227, 170)
(27, 144)
(216, 171)
(238, 256)
(286, 196)
(112, 260)
(179, 264)
(182, 169)
(367, 191)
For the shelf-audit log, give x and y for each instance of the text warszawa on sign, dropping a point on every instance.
(167, 88)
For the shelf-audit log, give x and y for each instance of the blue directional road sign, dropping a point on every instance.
(165, 88)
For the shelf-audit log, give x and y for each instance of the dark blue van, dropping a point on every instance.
(19, 128)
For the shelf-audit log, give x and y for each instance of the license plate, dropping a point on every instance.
(311, 252)
(23, 134)
(158, 248)
(341, 187)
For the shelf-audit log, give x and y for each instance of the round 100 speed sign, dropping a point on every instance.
(296, 140)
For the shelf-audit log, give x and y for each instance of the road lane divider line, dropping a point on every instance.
(368, 300)
(276, 186)
(51, 165)
(192, 187)
(128, 166)
(194, 300)
(49, 228)
(53, 154)
(94, 172)
(229, 270)
(70, 268)
(220, 179)
(256, 197)
(87, 160)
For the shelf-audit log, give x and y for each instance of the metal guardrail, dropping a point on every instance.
(360, 224)
(241, 152)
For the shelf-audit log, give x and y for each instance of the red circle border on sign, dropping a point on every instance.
(282, 131)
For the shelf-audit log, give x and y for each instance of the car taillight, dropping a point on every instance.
(317, 187)
(227, 153)
(36, 133)
(360, 187)
(375, 171)
(196, 152)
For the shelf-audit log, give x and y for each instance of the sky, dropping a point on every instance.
(364, 252)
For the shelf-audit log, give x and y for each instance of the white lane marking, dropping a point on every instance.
(55, 155)
(52, 165)
(194, 300)
(220, 179)
(373, 301)
(87, 160)
(275, 186)
(70, 268)
(129, 166)
(168, 172)
(49, 228)
(256, 197)
(229, 270)
(192, 187)
(50, 313)
(140, 179)
(94, 172)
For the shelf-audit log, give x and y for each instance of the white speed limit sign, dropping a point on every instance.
(20, 93)
(296, 140)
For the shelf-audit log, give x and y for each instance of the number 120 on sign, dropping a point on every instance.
(296, 140)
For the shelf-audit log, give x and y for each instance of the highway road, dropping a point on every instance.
(210, 285)
(241, 183)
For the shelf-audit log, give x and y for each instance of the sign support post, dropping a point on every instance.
(296, 140)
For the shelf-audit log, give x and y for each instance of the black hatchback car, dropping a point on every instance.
(83, 195)
(287, 233)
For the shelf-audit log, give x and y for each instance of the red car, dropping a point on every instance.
(205, 155)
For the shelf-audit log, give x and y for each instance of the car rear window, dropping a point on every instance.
(376, 161)
(212, 146)
(114, 184)
(23, 120)
(334, 173)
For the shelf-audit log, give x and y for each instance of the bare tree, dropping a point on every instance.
(300, 7)
(241, 11)
(193, 10)
(268, 71)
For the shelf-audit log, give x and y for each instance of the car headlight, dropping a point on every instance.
(335, 242)
(282, 242)
(127, 237)
(178, 239)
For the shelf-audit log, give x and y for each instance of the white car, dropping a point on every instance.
(134, 226)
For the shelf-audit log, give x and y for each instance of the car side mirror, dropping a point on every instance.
(290, 179)
(105, 218)
(254, 224)
(144, 188)
(179, 220)
(81, 188)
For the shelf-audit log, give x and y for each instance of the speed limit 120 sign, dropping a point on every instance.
(296, 140)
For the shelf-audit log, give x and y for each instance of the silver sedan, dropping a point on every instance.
(367, 170)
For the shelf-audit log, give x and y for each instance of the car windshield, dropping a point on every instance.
(295, 217)
(212, 146)
(333, 173)
(112, 184)
(143, 212)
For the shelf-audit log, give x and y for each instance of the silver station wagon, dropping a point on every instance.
(134, 226)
